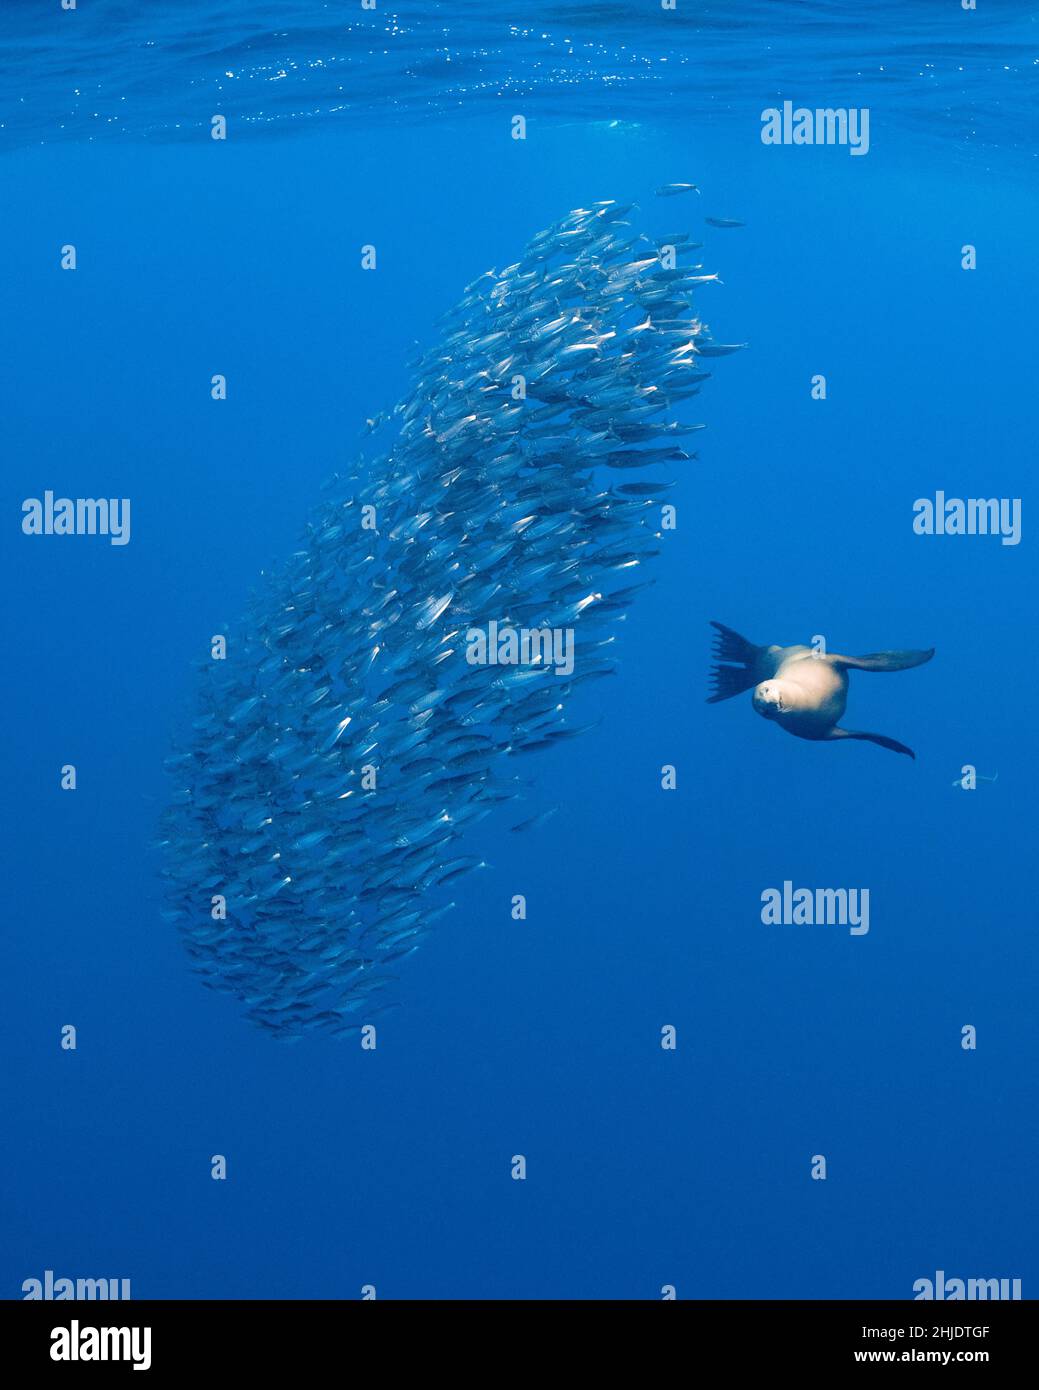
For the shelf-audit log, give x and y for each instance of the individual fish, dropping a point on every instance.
(535, 822)
(374, 422)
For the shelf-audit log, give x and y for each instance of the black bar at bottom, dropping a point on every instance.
(163, 1339)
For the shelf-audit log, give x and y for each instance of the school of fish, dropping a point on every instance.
(344, 745)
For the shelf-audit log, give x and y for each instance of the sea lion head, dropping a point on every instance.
(773, 698)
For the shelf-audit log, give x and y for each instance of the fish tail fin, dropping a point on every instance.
(735, 666)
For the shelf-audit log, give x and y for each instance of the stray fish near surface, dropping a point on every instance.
(670, 190)
(326, 786)
(723, 222)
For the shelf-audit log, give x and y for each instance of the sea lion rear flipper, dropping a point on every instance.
(737, 664)
(882, 739)
(882, 661)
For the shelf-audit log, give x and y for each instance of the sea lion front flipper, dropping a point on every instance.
(739, 664)
(882, 739)
(882, 661)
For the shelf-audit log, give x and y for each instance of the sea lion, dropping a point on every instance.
(803, 690)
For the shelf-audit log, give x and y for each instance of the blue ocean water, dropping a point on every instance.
(646, 1167)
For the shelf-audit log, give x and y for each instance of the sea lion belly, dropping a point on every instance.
(822, 694)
